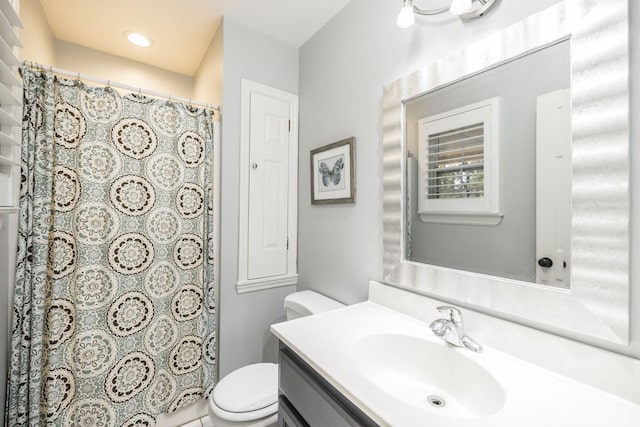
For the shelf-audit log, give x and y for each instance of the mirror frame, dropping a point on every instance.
(597, 303)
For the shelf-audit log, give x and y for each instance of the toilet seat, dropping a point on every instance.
(248, 393)
(242, 416)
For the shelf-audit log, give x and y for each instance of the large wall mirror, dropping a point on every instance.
(455, 164)
(506, 173)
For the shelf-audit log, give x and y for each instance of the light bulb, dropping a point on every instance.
(139, 39)
(458, 7)
(406, 18)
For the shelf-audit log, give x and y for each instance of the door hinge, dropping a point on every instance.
(289, 125)
(287, 243)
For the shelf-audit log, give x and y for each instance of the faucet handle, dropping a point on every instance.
(454, 314)
(438, 326)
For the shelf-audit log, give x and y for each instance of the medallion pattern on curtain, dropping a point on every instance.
(114, 312)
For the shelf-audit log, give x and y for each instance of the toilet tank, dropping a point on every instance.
(306, 303)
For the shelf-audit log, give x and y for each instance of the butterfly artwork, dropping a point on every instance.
(331, 175)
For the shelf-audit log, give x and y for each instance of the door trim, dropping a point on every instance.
(244, 284)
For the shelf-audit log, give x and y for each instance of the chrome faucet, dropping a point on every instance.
(452, 331)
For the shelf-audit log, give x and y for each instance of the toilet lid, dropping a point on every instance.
(248, 389)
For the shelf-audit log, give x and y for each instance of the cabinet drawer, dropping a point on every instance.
(317, 401)
(287, 414)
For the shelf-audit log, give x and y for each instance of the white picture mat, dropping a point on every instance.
(342, 191)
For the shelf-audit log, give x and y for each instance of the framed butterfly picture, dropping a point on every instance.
(333, 173)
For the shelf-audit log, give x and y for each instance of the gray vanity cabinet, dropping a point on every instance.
(306, 399)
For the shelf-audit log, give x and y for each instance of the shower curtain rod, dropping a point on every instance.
(111, 83)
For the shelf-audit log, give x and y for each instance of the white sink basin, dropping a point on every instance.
(388, 364)
(429, 375)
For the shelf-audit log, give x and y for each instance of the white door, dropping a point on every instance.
(553, 188)
(268, 186)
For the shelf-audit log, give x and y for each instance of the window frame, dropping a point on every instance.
(483, 210)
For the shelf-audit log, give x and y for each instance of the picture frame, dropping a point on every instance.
(333, 173)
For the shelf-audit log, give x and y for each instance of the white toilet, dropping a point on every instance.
(248, 397)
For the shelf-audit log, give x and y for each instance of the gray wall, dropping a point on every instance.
(343, 69)
(508, 249)
(8, 246)
(245, 319)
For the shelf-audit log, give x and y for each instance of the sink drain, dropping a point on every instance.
(436, 401)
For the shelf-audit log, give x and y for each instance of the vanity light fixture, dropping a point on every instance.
(465, 9)
(138, 39)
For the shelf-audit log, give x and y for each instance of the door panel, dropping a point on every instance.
(553, 188)
(268, 186)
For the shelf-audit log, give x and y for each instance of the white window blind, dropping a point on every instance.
(458, 160)
(455, 163)
(10, 106)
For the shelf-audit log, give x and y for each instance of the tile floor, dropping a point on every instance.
(202, 422)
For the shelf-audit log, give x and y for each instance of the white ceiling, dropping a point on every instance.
(181, 30)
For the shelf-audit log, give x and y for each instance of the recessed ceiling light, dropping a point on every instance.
(138, 39)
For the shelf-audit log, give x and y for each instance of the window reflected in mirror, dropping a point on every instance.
(488, 171)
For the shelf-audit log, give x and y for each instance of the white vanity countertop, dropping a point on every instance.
(533, 396)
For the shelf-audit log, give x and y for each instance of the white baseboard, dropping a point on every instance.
(185, 415)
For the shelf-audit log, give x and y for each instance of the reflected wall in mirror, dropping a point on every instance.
(451, 165)
(596, 305)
